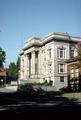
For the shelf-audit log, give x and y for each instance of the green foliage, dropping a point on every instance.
(18, 64)
(50, 83)
(2, 58)
(78, 58)
(14, 68)
(11, 70)
(38, 83)
(78, 65)
(43, 83)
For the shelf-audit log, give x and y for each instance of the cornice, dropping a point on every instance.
(61, 36)
(21, 52)
(32, 42)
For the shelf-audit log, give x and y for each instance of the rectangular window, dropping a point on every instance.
(76, 74)
(61, 53)
(76, 70)
(72, 51)
(61, 68)
(72, 71)
(71, 75)
(72, 54)
(62, 79)
(49, 53)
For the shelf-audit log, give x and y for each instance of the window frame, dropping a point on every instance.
(61, 78)
(49, 53)
(61, 53)
(59, 68)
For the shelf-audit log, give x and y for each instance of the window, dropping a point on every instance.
(62, 79)
(44, 56)
(61, 68)
(71, 75)
(49, 53)
(49, 69)
(76, 70)
(61, 53)
(72, 48)
(76, 74)
(72, 54)
(72, 71)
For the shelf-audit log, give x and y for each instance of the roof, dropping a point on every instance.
(37, 42)
(2, 73)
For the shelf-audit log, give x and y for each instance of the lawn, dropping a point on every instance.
(73, 95)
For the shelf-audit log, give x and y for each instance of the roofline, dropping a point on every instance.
(60, 36)
(50, 37)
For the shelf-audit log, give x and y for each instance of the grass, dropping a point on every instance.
(73, 95)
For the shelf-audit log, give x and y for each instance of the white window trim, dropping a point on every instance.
(49, 54)
(61, 80)
(64, 53)
(64, 68)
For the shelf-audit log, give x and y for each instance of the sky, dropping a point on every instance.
(22, 19)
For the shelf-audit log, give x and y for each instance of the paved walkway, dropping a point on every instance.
(8, 89)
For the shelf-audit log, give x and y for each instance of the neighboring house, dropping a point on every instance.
(74, 72)
(2, 78)
(45, 59)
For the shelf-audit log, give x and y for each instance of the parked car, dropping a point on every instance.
(65, 89)
(29, 89)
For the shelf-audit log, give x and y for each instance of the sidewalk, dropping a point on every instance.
(8, 89)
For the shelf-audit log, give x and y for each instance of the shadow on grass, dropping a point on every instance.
(10, 98)
(48, 105)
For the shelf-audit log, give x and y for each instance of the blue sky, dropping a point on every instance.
(21, 19)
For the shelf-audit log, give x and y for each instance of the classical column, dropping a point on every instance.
(40, 62)
(22, 67)
(25, 66)
(33, 63)
(29, 65)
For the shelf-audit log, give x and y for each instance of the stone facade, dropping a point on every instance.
(45, 59)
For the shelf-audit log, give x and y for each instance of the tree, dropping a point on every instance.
(2, 58)
(14, 68)
(18, 65)
(11, 69)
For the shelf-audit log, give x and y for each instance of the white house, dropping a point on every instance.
(45, 59)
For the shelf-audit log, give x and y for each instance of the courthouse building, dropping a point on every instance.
(44, 59)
